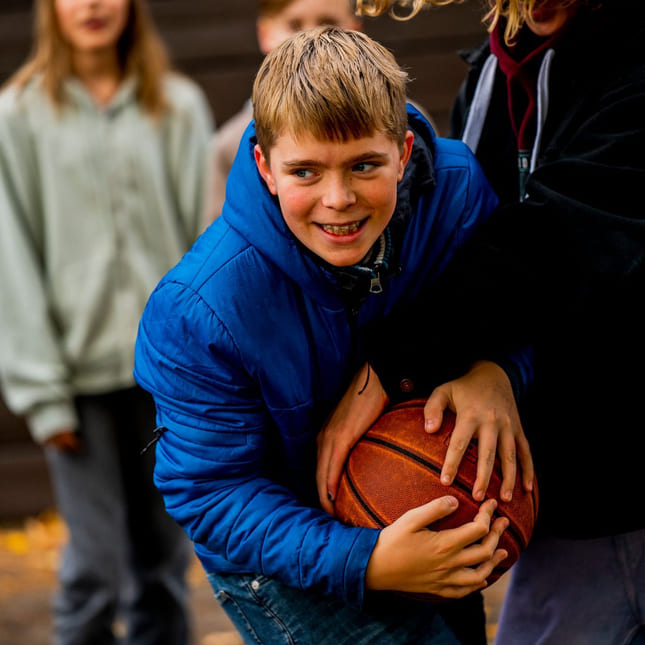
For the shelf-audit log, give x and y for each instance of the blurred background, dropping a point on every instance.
(213, 42)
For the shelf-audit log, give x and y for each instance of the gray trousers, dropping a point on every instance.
(125, 558)
(577, 592)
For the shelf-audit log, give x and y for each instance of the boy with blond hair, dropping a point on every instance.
(342, 204)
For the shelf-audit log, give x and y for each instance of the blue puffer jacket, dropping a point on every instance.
(245, 346)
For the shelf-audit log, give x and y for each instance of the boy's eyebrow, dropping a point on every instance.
(370, 155)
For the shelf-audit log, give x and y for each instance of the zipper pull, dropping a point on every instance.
(375, 283)
(523, 166)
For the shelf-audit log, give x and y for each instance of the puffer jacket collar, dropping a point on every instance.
(265, 229)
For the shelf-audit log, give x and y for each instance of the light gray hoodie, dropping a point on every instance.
(96, 204)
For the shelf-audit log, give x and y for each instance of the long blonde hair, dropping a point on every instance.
(141, 54)
(515, 12)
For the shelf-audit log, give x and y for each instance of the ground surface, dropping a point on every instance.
(29, 553)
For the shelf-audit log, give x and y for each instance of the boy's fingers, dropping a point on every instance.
(478, 528)
(485, 513)
(334, 471)
(322, 469)
(420, 517)
(486, 568)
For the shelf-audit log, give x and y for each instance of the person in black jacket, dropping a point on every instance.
(553, 107)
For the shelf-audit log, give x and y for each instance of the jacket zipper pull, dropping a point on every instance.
(375, 283)
(523, 166)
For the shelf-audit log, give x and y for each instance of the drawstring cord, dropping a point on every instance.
(157, 432)
(367, 380)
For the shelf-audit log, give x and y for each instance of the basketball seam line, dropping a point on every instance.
(433, 468)
(358, 498)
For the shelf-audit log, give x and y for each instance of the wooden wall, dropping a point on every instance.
(213, 41)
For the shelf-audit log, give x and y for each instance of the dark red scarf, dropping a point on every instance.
(520, 63)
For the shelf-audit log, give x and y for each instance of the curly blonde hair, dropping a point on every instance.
(515, 12)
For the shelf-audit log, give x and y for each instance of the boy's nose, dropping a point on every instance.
(338, 194)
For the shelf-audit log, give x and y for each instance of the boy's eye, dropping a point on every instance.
(295, 26)
(303, 173)
(364, 166)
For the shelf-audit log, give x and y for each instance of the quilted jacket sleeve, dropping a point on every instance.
(211, 462)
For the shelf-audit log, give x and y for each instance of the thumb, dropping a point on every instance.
(334, 471)
(422, 516)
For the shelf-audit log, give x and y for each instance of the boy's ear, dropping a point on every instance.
(405, 153)
(264, 169)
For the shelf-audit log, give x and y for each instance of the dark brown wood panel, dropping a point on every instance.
(214, 42)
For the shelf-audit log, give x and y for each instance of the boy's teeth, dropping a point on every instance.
(346, 229)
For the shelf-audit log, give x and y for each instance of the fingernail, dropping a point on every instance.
(478, 495)
(507, 495)
(429, 424)
(529, 485)
(451, 501)
(445, 479)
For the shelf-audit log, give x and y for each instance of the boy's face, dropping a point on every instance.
(301, 15)
(336, 197)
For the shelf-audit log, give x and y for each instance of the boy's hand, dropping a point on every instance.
(485, 408)
(359, 408)
(451, 563)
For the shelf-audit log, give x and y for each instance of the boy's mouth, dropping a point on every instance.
(342, 229)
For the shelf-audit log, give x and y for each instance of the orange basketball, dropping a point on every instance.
(396, 466)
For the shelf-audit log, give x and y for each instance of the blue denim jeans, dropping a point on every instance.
(267, 612)
(577, 592)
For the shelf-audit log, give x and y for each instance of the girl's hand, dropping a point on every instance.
(484, 405)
